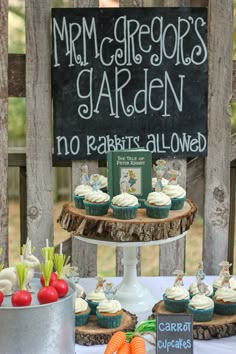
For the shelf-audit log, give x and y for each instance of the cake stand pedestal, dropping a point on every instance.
(132, 295)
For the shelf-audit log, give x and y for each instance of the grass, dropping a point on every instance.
(106, 254)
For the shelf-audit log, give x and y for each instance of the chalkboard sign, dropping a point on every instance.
(129, 78)
(174, 334)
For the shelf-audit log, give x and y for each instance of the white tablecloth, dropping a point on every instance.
(157, 285)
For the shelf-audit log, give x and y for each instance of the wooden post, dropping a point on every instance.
(39, 127)
(23, 205)
(3, 129)
(172, 255)
(84, 255)
(217, 164)
(232, 214)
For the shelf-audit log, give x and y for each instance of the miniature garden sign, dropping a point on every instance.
(129, 78)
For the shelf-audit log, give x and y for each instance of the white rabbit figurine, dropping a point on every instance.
(8, 276)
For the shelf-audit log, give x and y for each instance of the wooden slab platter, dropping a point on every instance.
(142, 228)
(92, 334)
(218, 327)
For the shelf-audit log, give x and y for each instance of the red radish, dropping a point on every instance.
(1, 298)
(47, 294)
(21, 298)
(53, 277)
(61, 287)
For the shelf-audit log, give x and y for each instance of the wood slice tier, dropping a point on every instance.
(92, 334)
(218, 327)
(142, 228)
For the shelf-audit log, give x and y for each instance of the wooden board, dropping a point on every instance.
(141, 228)
(92, 334)
(218, 327)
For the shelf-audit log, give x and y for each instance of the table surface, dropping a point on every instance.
(157, 285)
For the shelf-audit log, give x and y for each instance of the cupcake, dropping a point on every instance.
(225, 301)
(124, 206)
(96, 203)
(201, 307)
(176, 193)
(109, 314)
(93, 299)
(176, 299)
(157, 205)
(79, 193)
(82, 312)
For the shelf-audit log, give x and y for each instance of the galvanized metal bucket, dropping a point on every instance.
(38, 329)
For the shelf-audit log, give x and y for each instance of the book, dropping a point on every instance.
(130, 171)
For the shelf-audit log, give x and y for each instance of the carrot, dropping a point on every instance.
(115, 343)
(137, 345)
(125, 349)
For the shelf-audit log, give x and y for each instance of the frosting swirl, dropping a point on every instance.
(225, 294)
(232, 283)
(201, 301)
(111, 306)
(80, 305)
(97, 197)
(96, 296)
(217, 282)
(174, 191)
(158, 198)
(124, 200)
(193, 289)
(82, 189)
(176, 293)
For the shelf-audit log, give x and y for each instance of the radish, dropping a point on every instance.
(47, 294)
(61, 287)
(21, 297)
(1, 298)
(53, 277)
(60, 260)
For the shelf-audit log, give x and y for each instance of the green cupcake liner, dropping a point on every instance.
(82, 319)
(177, 203)
(157, 212)
(96, 209)
(201, 315)
(124, 213)
(93, 306)
(175, 306)
(108, 321)
(225, 309)
(79, 201)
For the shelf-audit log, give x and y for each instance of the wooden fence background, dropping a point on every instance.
(28, 75)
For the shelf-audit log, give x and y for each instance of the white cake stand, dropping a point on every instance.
(131, 294)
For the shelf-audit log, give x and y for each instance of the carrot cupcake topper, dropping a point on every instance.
(226, 278)
(99, 285)
(94, 181)
(225, 265)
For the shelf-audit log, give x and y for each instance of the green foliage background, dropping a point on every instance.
(16, 119)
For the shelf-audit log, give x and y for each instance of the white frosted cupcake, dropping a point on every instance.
(109, 313)
(94, 298)
(157, 205)
(193, 290)
(177, 195)
(96, 203)
(225, 301)
(82, 312)
(124, 206)
(79, 193)
(201, 307)
(176, 299)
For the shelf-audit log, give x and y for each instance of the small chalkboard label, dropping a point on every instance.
(174, 334)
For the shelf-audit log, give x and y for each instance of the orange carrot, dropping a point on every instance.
(115, 343)
(137, 345)
(125, 349)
